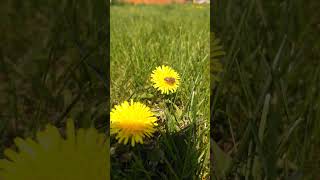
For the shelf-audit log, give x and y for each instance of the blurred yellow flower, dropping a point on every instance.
(132, 121)
(82, 155)
(165, 79)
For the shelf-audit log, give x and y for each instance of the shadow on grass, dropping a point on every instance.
(166, 156)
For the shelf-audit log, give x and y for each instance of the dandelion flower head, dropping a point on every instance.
(53, 157)
(132, 121)
(165, 79)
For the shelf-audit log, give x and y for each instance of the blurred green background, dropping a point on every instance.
(265, 110)
(53, 65)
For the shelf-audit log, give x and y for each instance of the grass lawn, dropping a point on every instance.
(264, 93)
(142, 38)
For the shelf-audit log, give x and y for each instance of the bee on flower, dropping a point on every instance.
(165, 79)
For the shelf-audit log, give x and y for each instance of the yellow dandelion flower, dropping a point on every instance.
(165, 79)
(133, 121)
(82, 155)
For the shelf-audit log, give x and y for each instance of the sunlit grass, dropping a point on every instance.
(143, 38)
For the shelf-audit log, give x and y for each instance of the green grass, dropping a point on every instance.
(142, 38)
(265, 113)
(52, 66)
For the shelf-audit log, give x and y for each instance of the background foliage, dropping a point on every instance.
(265, 119)
(53, 65)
